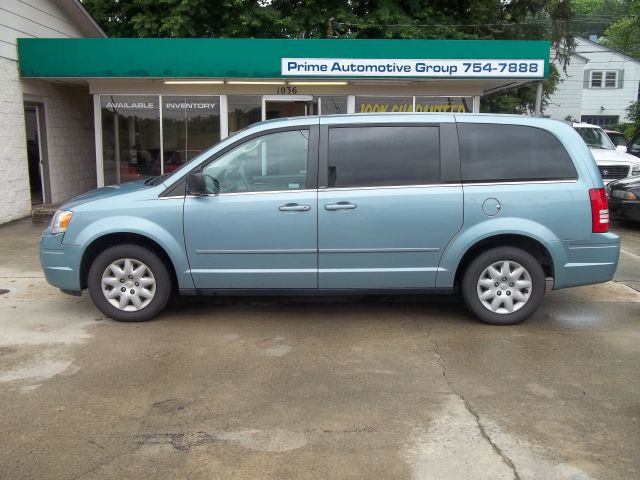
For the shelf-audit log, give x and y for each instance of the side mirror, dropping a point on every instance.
(196, 184)
(621, 149)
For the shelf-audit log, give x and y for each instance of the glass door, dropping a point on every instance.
(279, 106)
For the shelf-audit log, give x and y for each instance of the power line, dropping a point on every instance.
(501, 24)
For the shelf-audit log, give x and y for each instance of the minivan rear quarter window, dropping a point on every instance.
(383, 156)
(491, 152)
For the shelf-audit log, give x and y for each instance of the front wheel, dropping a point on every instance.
(503, 286)
(129, 283)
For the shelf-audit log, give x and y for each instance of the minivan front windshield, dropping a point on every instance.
(595, 138)
(161, 178)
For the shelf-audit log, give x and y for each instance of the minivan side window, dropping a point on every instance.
(272, 162)
(369, 156)
(491, 152)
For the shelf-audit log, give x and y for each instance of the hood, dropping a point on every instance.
(105, 192)
(626, 183)
(612, 156)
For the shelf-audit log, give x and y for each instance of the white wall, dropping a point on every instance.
(32, 18)
(567, 99)
(14, 171)
(68, 108)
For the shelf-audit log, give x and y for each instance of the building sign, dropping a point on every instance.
(408, 107)
(130, 105)
(182, 105)
(425, 68)
(370, 104)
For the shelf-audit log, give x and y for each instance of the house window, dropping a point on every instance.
(603, 79)
(600, 120)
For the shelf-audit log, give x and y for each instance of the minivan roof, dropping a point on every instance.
(400, 117)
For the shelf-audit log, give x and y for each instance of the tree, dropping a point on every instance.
(402, 19)
(521, 99)
(593, 17)
(633, 114)
(624, 34)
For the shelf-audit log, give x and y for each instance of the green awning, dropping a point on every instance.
(250, 58)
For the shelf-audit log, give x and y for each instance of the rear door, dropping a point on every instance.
(389, 202)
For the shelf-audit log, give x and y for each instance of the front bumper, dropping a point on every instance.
(590, 262)
(60, 263)
(624, 209)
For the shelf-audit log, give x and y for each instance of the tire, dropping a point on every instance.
(480, 279)
(137, 270)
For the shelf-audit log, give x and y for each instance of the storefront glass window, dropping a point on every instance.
(130, 137)
(384, 104)
(189, 125)
(332, 105)
(244, 110)
(444, 104)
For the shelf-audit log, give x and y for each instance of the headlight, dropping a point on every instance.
(624, 195)
(635, 170)
(60, 221)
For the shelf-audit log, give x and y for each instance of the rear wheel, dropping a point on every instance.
(503, 286)
(129, 283)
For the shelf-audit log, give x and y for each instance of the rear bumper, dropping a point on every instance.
(60, 263)
(588, 263)
(624, 209)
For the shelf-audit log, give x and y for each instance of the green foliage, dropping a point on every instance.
(633, 114)
(593, 17)
(402, 19)
(624, 35)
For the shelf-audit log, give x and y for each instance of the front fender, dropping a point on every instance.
(467, 238)
(168, 237)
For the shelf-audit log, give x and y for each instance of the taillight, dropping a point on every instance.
(599, 210)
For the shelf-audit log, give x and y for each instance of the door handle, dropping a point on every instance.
(294, 207)
(340, 206)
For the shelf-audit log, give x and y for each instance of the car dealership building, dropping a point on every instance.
(136, 108)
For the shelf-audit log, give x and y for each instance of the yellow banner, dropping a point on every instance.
(407, 107)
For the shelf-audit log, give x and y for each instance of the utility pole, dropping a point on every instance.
(539, 99)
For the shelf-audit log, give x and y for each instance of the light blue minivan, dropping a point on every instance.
(489, 206)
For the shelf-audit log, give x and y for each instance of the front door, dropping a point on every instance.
(33, 118)
(385, 215)
(281, 106)
(257, 227)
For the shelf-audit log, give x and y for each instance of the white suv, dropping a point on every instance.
(613, 162)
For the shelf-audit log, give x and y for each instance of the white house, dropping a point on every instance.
(46, 128)
(597, 87)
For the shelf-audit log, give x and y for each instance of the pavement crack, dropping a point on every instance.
(506, 460)
(624, 282)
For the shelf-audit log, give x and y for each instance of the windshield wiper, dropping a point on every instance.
(156, 180)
